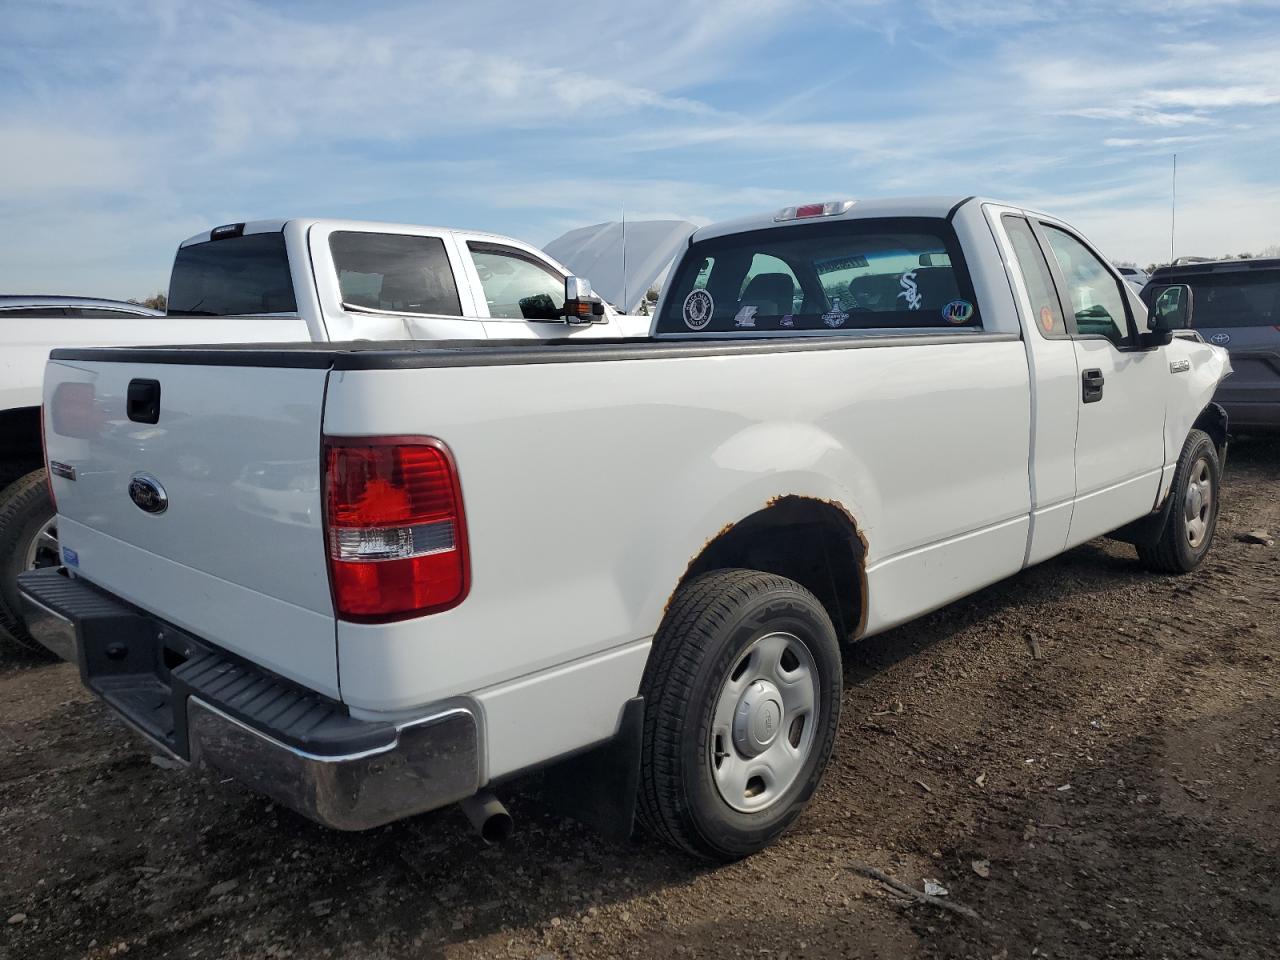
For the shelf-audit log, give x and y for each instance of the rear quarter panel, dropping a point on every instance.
(590, 487)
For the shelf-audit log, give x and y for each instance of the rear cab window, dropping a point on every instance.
(827, 277)
(396, 272)
(247, 274)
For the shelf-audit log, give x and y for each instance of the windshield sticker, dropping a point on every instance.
(835, 317)
(957, 312)
(1046, 319)
(910, 292)
(787, 321)
(746, 317)
(854, 261)
(698, 307)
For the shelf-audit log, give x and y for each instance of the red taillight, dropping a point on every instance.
(396, 530)
(808, 210)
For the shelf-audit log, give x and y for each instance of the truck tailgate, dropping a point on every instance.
(193, 492)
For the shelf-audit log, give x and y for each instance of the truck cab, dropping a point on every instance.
(359, 280)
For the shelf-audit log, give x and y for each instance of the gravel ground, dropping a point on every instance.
(1086, 755)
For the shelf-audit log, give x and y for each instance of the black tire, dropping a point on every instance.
(10, 472)
(712, 622)
(1172, 549)
(25, 508)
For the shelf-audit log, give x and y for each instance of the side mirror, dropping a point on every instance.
(1172, 307)
(1169, 308)
(580, 304)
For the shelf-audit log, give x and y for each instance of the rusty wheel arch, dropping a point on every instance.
(815, 541)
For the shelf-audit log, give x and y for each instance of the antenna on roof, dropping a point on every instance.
(1173, 211)
(624, 260)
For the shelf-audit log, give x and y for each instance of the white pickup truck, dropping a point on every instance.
(374, 579)
(274, 280)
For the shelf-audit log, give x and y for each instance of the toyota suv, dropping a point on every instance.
(1237, 306)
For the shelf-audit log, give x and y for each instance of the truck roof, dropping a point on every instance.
(275, 226)
(940, 206)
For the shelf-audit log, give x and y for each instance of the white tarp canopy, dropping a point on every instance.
(596, 253)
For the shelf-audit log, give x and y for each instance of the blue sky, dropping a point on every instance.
(126, 127)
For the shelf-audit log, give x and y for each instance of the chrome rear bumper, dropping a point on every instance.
(53, 631)
(293, 745)
(433, 762)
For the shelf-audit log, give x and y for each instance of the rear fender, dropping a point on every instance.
(751, 471)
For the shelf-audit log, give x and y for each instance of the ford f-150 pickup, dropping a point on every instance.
(274, 280)
(374, 579)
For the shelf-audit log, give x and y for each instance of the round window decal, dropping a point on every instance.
(698, 307)
(957, 312)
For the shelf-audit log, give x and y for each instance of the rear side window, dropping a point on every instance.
(236, 275)
(829, 277)
(1045, 308)
(398, 272)
(1234, 299)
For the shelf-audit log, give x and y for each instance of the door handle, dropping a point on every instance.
(1093, 381)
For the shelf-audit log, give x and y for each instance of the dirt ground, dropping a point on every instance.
(1087, 755)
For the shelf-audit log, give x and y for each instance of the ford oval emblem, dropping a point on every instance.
(147, 493)
(1220, 338)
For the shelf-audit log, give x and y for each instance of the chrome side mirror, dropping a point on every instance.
(580, 304)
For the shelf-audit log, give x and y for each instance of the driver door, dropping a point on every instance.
(1120, 432)
(503, 276)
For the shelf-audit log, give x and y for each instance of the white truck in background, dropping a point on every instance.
(275, 281)
(373, 579)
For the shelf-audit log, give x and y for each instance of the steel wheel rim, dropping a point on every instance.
(773, 684)
(1197, 510)
(42, 551)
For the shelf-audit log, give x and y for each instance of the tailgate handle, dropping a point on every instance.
(143, 403)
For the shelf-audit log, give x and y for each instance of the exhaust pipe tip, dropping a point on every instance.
(489, 817)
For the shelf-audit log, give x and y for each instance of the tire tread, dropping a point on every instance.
(16, 500)
(699, 609)
(1161, 553)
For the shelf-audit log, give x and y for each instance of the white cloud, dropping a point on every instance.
(165, 117)
(1215, 97)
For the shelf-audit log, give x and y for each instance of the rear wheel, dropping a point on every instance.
(742, 698)
(1184, 540)
(28, 541)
